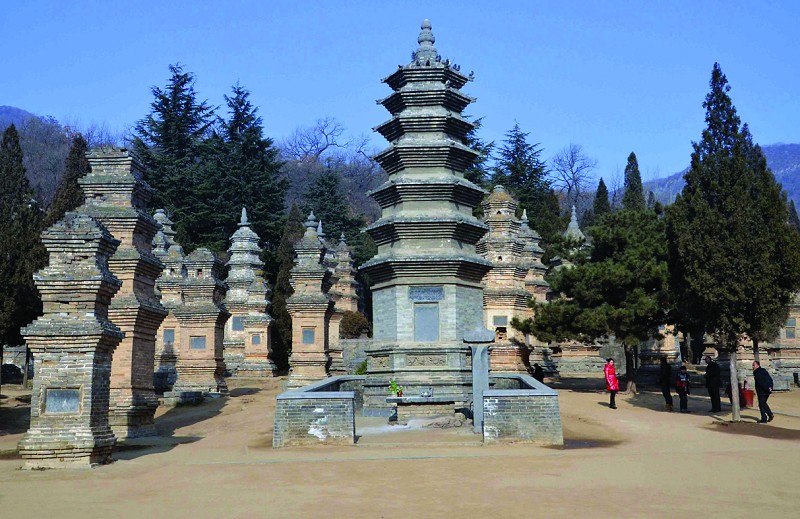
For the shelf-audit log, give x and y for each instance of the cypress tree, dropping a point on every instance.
(794, 219)
(601, 204)
(284, 257)
(478, 172)
(69, 194)
(21, 252)
(633, 198)
(734, 259)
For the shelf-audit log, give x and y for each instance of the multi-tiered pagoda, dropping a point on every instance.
(426, 276)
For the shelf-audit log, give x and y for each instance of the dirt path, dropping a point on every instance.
(216, 460)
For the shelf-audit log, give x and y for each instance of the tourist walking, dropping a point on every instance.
(682, 385)
(713, 383)
(612, 384)
(763, 390)
(665, 382)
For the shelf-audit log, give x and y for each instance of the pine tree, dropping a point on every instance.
(602, 205)
(69, 194)
(734, 259)
(284, 258)
(478, 173)
(794, 219)
(169, 141)
(633, 198)
(21, 252)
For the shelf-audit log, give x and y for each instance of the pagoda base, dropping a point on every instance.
(234, 357)
(132, 416)
(436, 369)
(73, 448)
(201, 376)
(509, 357)
(257, 367)
(166, 374)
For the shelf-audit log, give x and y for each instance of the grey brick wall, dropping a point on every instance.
(530, 414)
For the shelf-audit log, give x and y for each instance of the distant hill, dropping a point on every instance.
(11, 115)
(783, 160)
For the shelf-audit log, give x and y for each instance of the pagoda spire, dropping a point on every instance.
(243, 222)
(426, 39)
(573, 231)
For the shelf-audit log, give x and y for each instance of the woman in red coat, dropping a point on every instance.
(612, 384)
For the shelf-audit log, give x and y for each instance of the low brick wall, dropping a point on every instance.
(323, 412)
(524, 411)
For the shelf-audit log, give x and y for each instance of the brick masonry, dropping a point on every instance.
(528, 413)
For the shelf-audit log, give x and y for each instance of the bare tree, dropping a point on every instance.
(311, 143)
(616, 187)
(572, 172)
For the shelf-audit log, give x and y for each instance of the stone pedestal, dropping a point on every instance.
(200, 365)
(72, 345)
(117, 196)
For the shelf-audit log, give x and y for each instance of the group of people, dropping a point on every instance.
(682, 384)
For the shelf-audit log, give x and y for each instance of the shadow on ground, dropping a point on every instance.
(577, 384)
(756, 430)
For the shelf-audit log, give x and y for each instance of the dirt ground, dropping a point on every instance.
(216, 460)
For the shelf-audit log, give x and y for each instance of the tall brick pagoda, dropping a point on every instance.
(168, 285)
(72, 345)
(117, 196)
(426, 276)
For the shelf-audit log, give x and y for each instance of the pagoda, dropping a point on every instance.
(426, 276)
(247, 333)
(169, 288)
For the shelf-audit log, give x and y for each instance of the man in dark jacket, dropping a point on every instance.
(763, 390)
(713, 383)
(665, 382)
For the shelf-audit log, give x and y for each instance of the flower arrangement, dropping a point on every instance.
(395, 389)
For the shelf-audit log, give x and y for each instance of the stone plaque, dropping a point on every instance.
(426, 293)
(197, 343)
(62, 401)
(308, 336)
(169, 335)
(426, 322)
(255, 340)
(237, 323)
(500, 320)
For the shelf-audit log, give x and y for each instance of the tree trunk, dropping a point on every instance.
(630, 368)
(1, 374)
(737, 415)
(756, 356)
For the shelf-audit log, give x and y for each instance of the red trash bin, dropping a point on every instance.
(746, 397)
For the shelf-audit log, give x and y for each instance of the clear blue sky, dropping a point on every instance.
(612, 76)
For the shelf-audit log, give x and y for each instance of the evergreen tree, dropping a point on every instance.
(602, 205)
(69, 194)
(617, 290)
(284, 258)
(734, 259)
(21, 252)
(794, 219)
(169, 141)
(521, 170)
(633, 198)
(478, 173)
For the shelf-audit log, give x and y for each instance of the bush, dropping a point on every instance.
(353, 326)
(362, 368)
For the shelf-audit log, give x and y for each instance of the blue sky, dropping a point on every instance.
(612, 76)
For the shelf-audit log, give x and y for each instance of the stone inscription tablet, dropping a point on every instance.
(62, 401)
(426, 293)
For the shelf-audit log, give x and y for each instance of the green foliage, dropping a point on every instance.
(633, 198)
(353, 325)
(734, 258)
(618, 289)
(601, 205)
(362, 368)
(21, 252)
(69, 194)
(794, 219)
(395, 389)
(284, 258)
(478, 172)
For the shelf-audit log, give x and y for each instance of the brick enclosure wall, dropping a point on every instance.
(529, 414)
(323, 412)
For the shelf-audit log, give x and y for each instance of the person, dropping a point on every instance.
(682, 385)
(538, 372)
(665, 381)
(713, 383)
(763, 390)
(612, 384)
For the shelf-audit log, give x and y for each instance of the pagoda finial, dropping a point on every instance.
(525, 215)
(573, 231)
(426, 39)
(244, 221)
(311, 221)
(320, 232)
(342, 240)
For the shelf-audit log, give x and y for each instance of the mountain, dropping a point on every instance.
(782, 159)
(12, 115)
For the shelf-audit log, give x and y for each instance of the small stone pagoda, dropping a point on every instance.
(72, 345)
(200, 366)
(517, 275)
(247, 333)
(169, 287)
(311, 308)
(117, 196)
(344, 293)
(426, 276)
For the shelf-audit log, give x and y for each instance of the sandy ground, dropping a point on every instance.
(216, 460)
